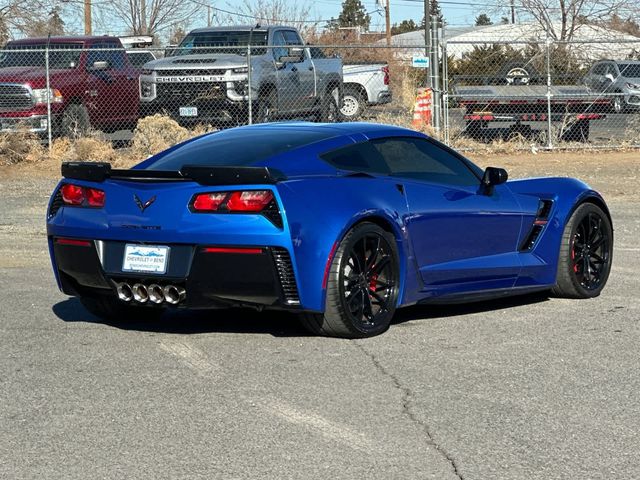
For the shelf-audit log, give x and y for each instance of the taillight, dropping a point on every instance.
(251, 201)
(72, 194)
(385, 70)
(208, 202)
(247, 201)
(82, 196)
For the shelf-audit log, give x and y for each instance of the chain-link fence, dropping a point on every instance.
(542, 95)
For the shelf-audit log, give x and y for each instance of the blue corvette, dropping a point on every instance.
(343, 223)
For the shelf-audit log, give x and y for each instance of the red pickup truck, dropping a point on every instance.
(92, 84)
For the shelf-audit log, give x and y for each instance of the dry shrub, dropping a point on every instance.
(91, 149)
(20, 146)
(159, 132)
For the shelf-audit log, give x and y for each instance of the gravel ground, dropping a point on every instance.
(526, 388)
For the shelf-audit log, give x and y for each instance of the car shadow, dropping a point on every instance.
(189, 322)
(433, 311)
(275, 323)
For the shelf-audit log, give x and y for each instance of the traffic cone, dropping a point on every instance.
(422, 109)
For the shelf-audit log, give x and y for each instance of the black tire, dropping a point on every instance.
(266, 108)
(586, 253)
(362, 287)
(75, 121)
(329, 112)
(354, 103)
(112, 309)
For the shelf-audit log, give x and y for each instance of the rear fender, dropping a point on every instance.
(320, 213)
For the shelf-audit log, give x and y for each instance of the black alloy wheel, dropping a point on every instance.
(586, 253)
(368, 281)
(362, 287)
(590, 252)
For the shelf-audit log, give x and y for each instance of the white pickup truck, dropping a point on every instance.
(364, 85)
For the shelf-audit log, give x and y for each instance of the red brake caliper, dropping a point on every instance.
(373, 282)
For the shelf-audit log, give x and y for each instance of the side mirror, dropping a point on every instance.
(99, 65)
(294, 55)
(493, 176)
(610, 77)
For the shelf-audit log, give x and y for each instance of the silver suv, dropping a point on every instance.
(620, 79)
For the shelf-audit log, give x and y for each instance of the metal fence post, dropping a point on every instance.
(249, 85)
(48, 79)
(549, 130)
(445, 89)
(435, 59)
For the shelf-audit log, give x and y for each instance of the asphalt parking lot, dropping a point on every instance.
(526, 388)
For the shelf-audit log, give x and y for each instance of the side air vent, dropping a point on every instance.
(544, 208)
(56, 204)
(542, 216)
(531, 239)
(286, 276)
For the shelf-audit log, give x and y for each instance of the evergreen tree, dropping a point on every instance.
(483, 20)
(354, 15)
(404, 27)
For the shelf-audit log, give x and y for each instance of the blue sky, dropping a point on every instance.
(401, 10)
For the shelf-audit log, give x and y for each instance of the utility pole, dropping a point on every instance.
(427, 37)
(143, 17)
(208, 15)
(387, 17)
(513, 12)
(87, 17)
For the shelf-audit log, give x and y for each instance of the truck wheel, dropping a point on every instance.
(362, 287)
(586, 253)
(353, 103)
(75, 121)
(266, 107)
(329, 112)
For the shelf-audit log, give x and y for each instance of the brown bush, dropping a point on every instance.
(158, 132)
(21, 146)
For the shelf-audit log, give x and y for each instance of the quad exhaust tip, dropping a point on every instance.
(174, 294)
(153, 293)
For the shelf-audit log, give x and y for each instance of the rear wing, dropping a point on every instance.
(222, 175)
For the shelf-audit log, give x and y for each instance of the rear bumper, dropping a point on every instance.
(257, 276)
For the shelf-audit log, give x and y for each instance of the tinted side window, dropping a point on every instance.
(279, 50)
(110, 53)
(360, 157)
(419, 159)
(292, 38)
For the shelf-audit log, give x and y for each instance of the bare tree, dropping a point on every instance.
(16, 16)
(151, 17)
(271, 12)
(561, 18)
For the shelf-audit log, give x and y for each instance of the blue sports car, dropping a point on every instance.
(343, 223)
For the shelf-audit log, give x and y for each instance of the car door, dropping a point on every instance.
(595, 76)
(305, 98)
(112, 93)
(462, 239)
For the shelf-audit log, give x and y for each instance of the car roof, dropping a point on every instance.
(64, 39)
(240, 28)
(332, 129)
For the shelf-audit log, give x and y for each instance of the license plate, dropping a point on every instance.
(145, 258)
(188, 111)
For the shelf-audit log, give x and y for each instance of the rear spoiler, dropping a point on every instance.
(100, 171)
